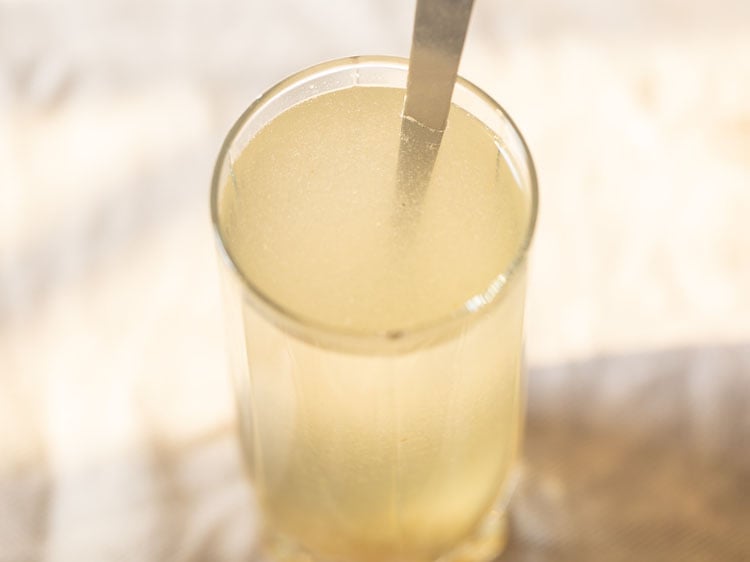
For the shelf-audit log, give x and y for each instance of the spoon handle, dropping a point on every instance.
(439, 33)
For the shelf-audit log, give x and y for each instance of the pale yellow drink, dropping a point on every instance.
(398, 448)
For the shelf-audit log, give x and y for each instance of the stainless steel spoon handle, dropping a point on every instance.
(439, 33)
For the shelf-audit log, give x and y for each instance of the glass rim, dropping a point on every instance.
(319, 332)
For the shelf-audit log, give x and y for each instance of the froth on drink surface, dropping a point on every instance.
(309, 215)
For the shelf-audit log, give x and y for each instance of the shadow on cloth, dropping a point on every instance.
(637, 457)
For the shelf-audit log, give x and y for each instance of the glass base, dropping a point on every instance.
(485, 544)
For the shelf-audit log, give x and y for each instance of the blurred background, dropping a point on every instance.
(115, 411)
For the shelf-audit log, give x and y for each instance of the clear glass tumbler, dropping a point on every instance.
(373, 446)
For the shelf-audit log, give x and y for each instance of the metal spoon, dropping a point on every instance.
(438, 39)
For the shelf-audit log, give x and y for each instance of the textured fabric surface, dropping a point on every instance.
(116, 435)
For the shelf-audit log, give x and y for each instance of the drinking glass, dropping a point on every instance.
(364, 446)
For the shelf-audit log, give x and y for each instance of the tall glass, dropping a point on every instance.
(371, 446)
